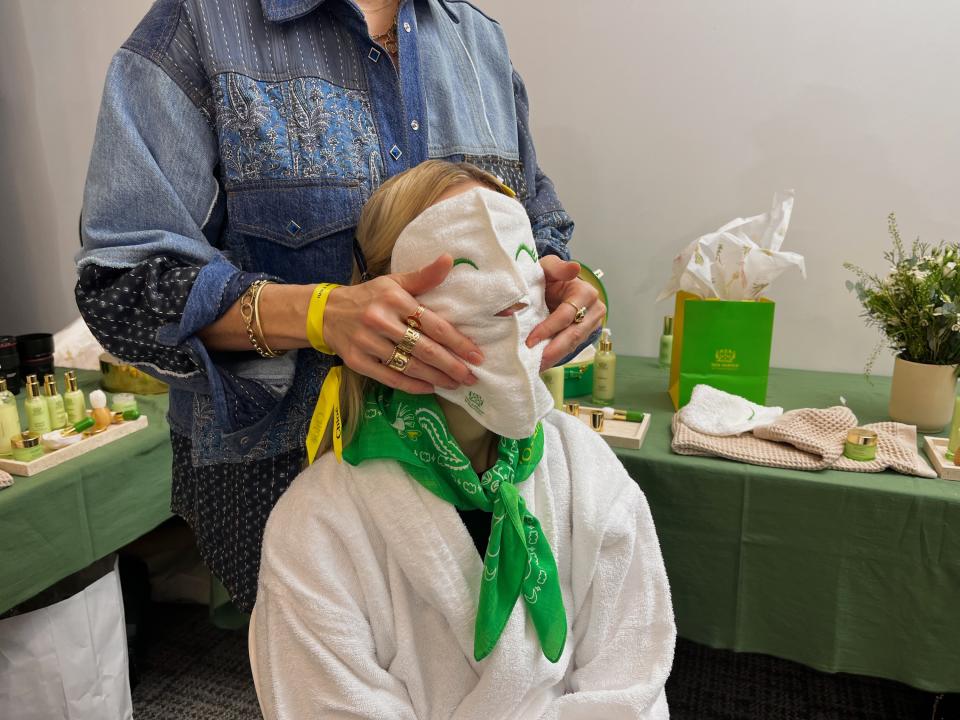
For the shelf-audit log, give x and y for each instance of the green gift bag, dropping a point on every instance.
(721, 343)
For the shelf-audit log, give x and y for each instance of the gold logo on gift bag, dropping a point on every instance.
(725, 359)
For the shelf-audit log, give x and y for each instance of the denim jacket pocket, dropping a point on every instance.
(296, 215)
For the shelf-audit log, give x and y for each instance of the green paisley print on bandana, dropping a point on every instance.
(412, 430)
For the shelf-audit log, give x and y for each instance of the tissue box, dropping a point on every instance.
(722, 343)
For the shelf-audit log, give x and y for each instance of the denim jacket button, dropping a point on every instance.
(374, 54)
(414, 125)
(395, 152)
(406, 27)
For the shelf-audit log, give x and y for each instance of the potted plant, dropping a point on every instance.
(916, 305)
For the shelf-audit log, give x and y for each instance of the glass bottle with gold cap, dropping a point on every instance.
(604, 370)
(9, 418)
(38, 416)
(73, 398)
(58, 413)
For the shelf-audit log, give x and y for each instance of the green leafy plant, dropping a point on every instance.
(915, 305)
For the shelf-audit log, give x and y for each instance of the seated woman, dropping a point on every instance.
(478, 555)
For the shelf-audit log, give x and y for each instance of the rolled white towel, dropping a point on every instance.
(715, 412)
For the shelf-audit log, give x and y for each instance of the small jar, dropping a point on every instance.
(861, 445)
(26, 447)
(123, 402)
(36, 354)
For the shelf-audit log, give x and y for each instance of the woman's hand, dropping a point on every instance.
(564, 291)
(363, 324)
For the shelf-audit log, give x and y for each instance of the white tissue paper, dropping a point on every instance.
(740, 260)
(75, 347)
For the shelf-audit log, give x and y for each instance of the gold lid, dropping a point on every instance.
(49, 385)
(596, 420)
(33, 386)
(25, 440)
(70, 381)
(3, 384)
(668, 325)
(606, 342)
(861, 436)
(572, 408)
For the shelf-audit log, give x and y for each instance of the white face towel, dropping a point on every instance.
(715, 412)
(495, 266)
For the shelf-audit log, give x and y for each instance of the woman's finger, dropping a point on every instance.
(381, 348)
(447, 336)
(572, 337)
(579, 294)
(436, 355)
(372, 368)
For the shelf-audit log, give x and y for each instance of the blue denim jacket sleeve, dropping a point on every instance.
(152, 193)
(552, 226)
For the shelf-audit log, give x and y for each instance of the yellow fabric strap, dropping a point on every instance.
(318, 304)
(328, 406)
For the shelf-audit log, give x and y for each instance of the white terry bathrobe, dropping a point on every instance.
(369, 586)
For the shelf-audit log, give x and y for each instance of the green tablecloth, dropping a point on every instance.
(61, 520)
(846, 572)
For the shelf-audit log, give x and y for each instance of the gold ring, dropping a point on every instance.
(410, 339)
(398, 361)
(413, 320)
(581, 312)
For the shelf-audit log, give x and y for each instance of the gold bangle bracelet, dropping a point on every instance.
(250, 312)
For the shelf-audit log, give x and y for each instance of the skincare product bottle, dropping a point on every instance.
(861, 445)
(604, 370)
(38, 417)
(101, 416)
(553, 379)
(58, 414)
(666, 342)
(954, 430)
(9, 417)
(73, 398)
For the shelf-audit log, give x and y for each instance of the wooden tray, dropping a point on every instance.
(620, 433)
(56, 457)
(936, 449)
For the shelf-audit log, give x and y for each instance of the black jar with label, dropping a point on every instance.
(10, 363)
(36, 354)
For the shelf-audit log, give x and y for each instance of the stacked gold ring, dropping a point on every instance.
(581, 312)
(410, 339)
(404, 349)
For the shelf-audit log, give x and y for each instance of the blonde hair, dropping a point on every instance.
(384, 216)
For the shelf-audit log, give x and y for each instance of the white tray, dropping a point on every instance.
(56, 457)
(936, 449)
(620, 433)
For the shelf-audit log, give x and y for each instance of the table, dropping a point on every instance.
(63, 519)
(844, 572)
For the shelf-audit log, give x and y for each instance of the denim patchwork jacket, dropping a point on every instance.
(239, 139)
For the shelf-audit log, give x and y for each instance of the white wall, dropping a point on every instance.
(659, 120)
(54, 56)
(662, 119)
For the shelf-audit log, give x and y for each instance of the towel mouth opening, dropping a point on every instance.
(515, 307)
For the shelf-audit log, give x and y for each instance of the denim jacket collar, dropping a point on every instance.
(283, 10)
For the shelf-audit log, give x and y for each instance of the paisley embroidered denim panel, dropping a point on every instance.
(304, 118)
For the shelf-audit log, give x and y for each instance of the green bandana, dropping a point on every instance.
(412, 430)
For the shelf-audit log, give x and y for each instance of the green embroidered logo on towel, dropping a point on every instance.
(412, 430)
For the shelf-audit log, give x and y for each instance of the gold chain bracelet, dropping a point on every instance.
(250, 312)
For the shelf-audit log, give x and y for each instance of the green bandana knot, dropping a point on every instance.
(412, 430)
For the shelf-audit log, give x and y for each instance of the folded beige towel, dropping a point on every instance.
(808, 439)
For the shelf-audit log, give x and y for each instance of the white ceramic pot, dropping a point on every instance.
(922, 394)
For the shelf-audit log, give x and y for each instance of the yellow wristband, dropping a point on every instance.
(318, 304)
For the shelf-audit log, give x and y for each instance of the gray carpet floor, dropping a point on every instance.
(190, 670)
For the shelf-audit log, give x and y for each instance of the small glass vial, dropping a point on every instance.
(604, 370)
(73, 398)
(954, 441)
(666, 342)
(861, 445)
(9, 418)
(58, 413)
(38, 416)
